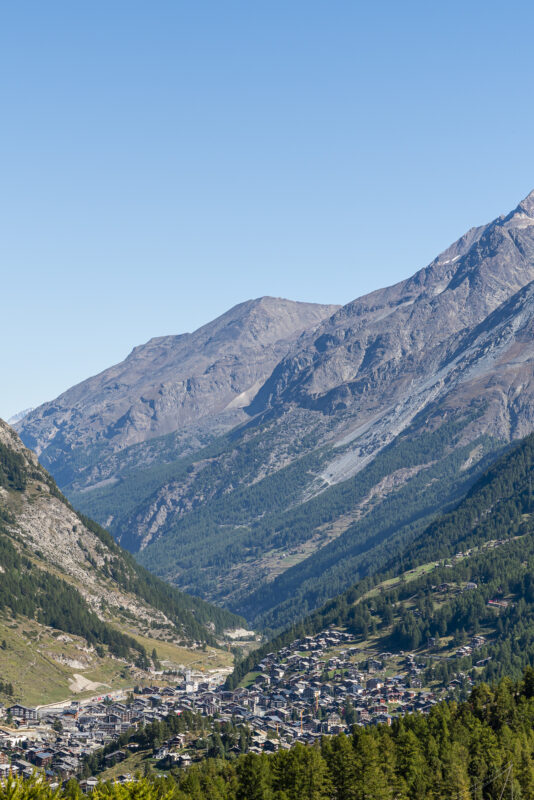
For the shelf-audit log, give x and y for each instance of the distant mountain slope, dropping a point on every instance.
(64, 573)
(469, 572)
(193, 384)
(19, 416)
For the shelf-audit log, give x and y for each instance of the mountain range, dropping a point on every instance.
(278, 454)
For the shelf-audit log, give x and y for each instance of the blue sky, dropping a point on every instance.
(161, 162)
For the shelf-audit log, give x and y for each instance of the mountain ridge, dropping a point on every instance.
(171, 383)
(483, 269)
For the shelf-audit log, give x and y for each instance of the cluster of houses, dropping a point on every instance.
(316, 685)
(55, 741)
(301, 692)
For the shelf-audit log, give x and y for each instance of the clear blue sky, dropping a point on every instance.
(163, 161)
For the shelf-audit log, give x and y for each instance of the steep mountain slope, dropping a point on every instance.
(371, 424)
(192, 384)
(416, 386)
(492, 378)
(468, 573)
(61, 572)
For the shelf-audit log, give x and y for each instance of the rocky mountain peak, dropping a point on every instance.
(526, 206)
(364, 350)
(172, 382)
(405, 390)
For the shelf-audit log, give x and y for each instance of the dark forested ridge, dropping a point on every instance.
(244, 525)
(479, 563)
(12, 469)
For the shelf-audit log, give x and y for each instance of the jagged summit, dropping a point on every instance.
(527, 205)
(363, 350)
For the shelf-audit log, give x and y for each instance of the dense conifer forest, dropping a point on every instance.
(492, 527)
(241, 523)
(227, 516)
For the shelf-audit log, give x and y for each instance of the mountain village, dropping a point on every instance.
(297, 695)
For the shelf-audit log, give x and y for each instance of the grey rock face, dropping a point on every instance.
(368, 350)
(172, 382)
(47, 525)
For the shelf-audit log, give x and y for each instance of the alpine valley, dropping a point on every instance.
(285, 451)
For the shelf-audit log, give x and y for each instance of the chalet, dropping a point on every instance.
(23, 766)
(373, 665)
(382, 719)
(124, 778)
(379, 708)
(43, 758)
(88, 785)
(333, 722)
(270, 746)
(22, 712)
(114, 758)
(374, 683)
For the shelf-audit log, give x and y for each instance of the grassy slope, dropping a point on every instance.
(30, 664)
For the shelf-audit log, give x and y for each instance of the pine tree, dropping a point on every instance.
(254, 778)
